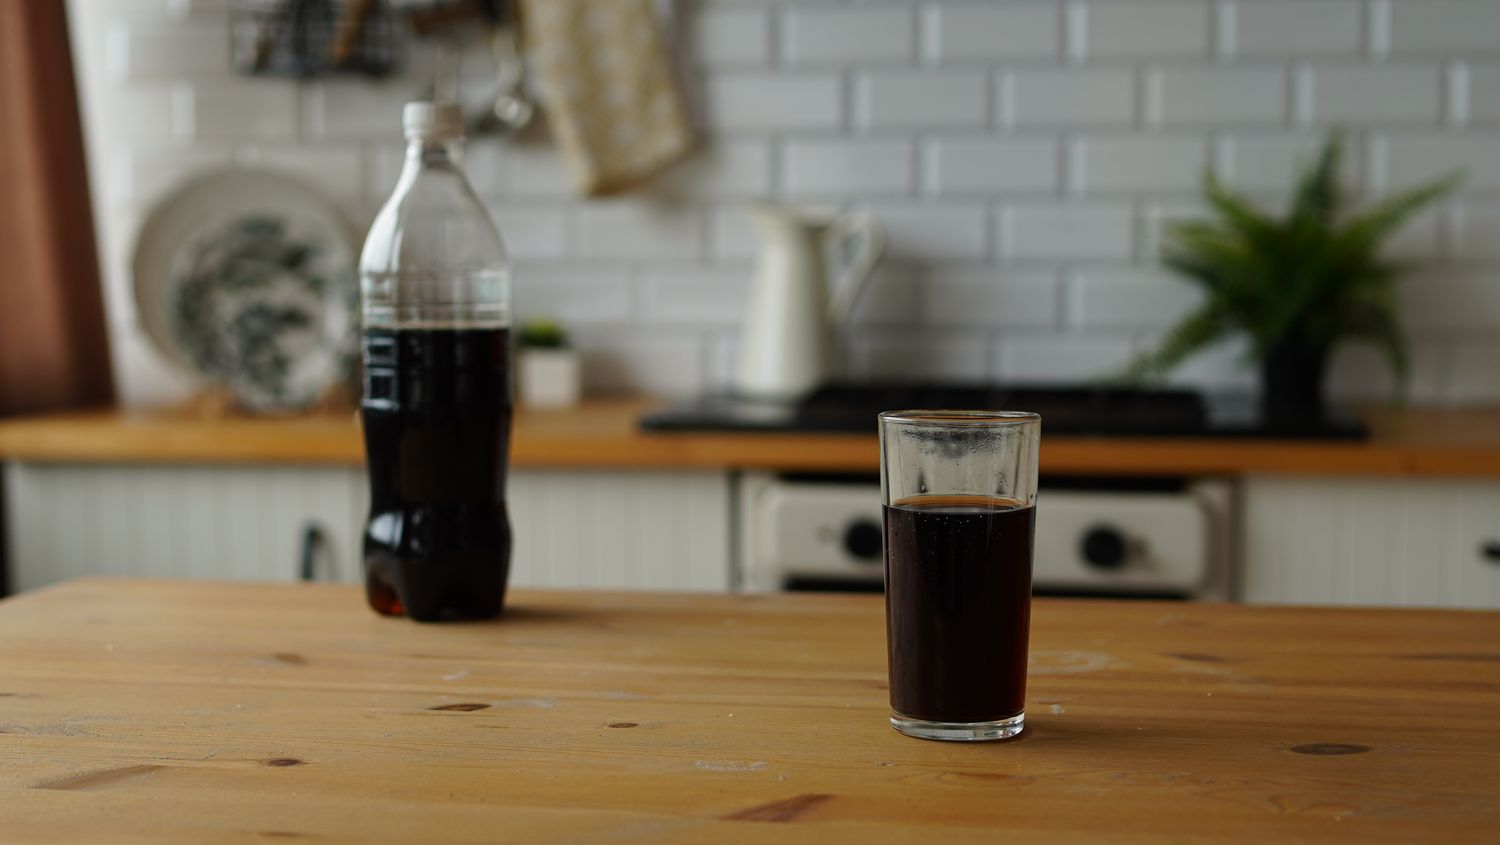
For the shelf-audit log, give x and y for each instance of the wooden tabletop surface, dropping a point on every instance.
(200, 712)
(604, 433)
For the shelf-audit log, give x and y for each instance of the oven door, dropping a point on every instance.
(814, 534)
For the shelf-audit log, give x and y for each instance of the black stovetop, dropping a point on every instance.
(1065, 409)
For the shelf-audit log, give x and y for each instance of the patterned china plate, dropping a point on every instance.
(247, 279)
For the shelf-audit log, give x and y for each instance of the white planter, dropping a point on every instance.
(550, 378)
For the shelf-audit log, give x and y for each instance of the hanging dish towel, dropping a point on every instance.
(608, 89)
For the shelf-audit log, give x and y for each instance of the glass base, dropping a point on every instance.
(959, 731)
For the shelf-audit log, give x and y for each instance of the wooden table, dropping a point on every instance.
(194, 712)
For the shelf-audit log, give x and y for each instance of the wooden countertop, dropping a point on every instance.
(199, 712)
(603, 433)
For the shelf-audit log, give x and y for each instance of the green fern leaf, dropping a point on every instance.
(1317, 197)
(1195, 331)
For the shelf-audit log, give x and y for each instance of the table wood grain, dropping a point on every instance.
(603, 433)
(200, 712)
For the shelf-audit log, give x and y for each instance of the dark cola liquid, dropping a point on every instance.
(958, 606)
(436, 411)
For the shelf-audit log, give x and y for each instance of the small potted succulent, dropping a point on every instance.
(1297, 285)
(550, 375)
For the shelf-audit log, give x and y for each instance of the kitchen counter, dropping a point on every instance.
(197, 712)
(603, 433)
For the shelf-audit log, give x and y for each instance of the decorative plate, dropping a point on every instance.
(247, 279)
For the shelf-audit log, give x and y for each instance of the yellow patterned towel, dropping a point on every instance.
(607, 88)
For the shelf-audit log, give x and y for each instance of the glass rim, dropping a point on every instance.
(978, 418)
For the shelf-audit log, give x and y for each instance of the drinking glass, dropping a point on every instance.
(959, 496)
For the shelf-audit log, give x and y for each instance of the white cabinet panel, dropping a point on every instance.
(66, 520)
(1371, 541)
(649, 530)
(652, 530)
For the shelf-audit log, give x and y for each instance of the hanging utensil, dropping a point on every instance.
(509, 110)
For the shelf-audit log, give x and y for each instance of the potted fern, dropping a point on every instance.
(1297, 285)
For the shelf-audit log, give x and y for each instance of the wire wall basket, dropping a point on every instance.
(306, 38)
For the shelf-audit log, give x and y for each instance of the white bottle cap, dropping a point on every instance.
(428, 121)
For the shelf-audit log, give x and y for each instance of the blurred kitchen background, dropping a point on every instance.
(1028, 159)
(1024, 156)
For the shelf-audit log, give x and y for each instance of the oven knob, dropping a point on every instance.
(1103, 547)
(862, 539)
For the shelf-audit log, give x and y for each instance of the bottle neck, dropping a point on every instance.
(423, 155)
(423, 152)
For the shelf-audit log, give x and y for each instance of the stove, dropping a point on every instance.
(1158, 537)
(1065, 410)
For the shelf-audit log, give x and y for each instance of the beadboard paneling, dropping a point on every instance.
(1334, 541)
(572, 528)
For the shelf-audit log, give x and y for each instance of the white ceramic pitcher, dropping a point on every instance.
(789, 340)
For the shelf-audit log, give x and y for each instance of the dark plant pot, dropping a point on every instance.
(1291, 380)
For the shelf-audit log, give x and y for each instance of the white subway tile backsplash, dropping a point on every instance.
(243, 110)
(1221, 367)
(143, 376)
(575, 296)
(731, 36)
(1349, 94)
(1449, 299)
(1146, 29)
(731, 236)
(775, 101)
(1129, 299)
(838, 35)
(1271, 162)
(532, 232)
(948, 232)
(697, 295)
(116, 252)
(1483, 89)
(889, 297)
(1412, 159)
(920, 99)
(1361, 373)
(956, 166)
(720, 354)
(147, 49)
(530, 171)
(486, 163)
(1157, 219)
(1475, 373)
(842, 168)
(990, 298)
(140, 177)
(1216, 95)
(1085, 96)
(1298, 27)
(1477, 231)
(348, 109)
(1419, 238)
(631, 229)
(1062, 231)
(925, 356)
(617, 362)
(1026, 156)
(1444, 26)
(957, 32)
(1060, 357)
(1138, 163)
(728, 169)
(158, 115)
(335, 171)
